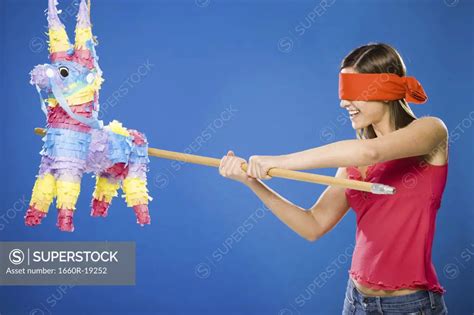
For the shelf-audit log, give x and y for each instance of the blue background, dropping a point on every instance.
(274, 64)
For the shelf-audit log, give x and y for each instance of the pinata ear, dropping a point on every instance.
(84, 37)
(59, 44)
(84, 41)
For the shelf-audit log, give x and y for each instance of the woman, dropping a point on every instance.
(391, 270)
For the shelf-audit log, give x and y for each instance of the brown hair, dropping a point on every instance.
(380, 58)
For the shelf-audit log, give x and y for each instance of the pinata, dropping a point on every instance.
(76, 141)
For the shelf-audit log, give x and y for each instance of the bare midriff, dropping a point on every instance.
(372, 292)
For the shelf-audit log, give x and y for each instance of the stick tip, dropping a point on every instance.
(40, 131)
(381, 189)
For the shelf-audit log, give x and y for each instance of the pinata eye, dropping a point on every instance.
(63, 71)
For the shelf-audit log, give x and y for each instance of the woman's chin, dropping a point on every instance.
(357, 125)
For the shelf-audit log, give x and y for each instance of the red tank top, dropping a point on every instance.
(394, 234)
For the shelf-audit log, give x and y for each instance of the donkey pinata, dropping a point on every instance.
(76, 142)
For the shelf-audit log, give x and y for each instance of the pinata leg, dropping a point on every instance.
(136, 196)
(107, 184)
(135, 184)
(67, 189)
(105, 190)
(44, 191)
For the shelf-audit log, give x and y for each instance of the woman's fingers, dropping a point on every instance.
(235, 167)
(258, 168)
(231, 166)
(223, 165)
(252, 171)
(250, 168)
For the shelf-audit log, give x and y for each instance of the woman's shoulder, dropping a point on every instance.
(439, 155)
(436, 123)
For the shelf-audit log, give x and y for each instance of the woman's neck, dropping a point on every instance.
(384, 126)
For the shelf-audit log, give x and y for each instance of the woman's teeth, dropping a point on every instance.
(352, 113)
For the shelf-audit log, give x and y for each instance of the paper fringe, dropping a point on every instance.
(67, 194)
(58, 40)
(105, 189)
(117, 155)
(44, 191)
(135, 191)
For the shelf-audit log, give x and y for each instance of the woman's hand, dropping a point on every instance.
(231, 167)
(259, 165)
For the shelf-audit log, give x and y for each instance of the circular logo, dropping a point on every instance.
(16, 256)
(451, 3)
(409, 180)
(451, 271)
(161, 180)
(202, 3)
(36, 311)
(202, 270)
(327, 134)
(285, 44)
(37, 44)
(285, 311)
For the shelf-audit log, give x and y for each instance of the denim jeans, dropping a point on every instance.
(417, 303)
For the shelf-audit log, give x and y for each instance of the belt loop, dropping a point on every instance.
(432, 300)
(379, 304)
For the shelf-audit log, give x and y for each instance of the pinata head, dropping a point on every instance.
(74, 70)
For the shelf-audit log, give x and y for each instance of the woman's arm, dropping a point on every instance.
(423, 136)
(420, 137)
(328, 210)
(311, 225)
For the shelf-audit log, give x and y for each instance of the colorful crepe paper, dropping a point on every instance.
(76, 142)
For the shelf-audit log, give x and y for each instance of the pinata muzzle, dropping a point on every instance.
(40, 78)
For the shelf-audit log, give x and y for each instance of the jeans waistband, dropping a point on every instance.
(388, 302)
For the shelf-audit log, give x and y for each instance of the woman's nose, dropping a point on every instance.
(344, 103)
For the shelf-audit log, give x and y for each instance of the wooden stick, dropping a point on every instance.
(274, 172)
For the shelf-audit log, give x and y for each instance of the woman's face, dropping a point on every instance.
(363, 113)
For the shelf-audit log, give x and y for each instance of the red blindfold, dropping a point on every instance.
(380, 87)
